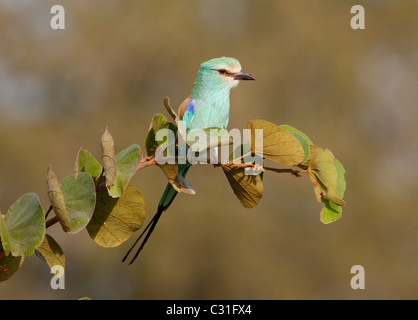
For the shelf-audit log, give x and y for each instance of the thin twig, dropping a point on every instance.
(51, 222)
(149, 161)
(145, 162)
(98, 179)
(296, 173)
(100, 186)
(49, 210)
(244, 155)
(2, 254)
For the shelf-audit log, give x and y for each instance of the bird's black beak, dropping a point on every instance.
(243, 76)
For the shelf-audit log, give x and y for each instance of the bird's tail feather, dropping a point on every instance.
(151, 225)
(165, 201)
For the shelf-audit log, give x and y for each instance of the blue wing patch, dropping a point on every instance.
(189, 113)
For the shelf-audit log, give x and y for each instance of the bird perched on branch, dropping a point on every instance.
(206, 107)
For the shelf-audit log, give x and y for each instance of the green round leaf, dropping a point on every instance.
(116, 219)
(341, 183)
(80, 198)
(23, 226)
(127, 162)
(158, 122)
(302, 138)
(294, 130)
(87, 163)
(331, 212)
(324, 176)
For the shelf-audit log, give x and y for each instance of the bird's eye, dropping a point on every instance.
(222, 71)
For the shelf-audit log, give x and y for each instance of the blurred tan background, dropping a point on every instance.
(354, 92)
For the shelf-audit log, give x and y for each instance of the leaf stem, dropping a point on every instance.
(51, 222)
(145, 162)
(49, 210)
(243, 156)
(296, 173)
(100, 186)
(149, 161)
(98, 179)
(2, 254)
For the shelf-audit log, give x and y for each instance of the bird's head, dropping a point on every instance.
(220, 73)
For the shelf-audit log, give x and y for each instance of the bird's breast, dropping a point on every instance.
(210, 115)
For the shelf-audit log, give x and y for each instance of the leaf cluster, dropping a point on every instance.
(98, 195)
(287, 145)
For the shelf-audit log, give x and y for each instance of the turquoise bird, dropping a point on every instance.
(206, 107)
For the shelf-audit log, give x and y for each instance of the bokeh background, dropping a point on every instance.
(353, 91)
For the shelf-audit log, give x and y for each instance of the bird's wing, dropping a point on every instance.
(183, 107)
(226, 121)
(186, 111)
